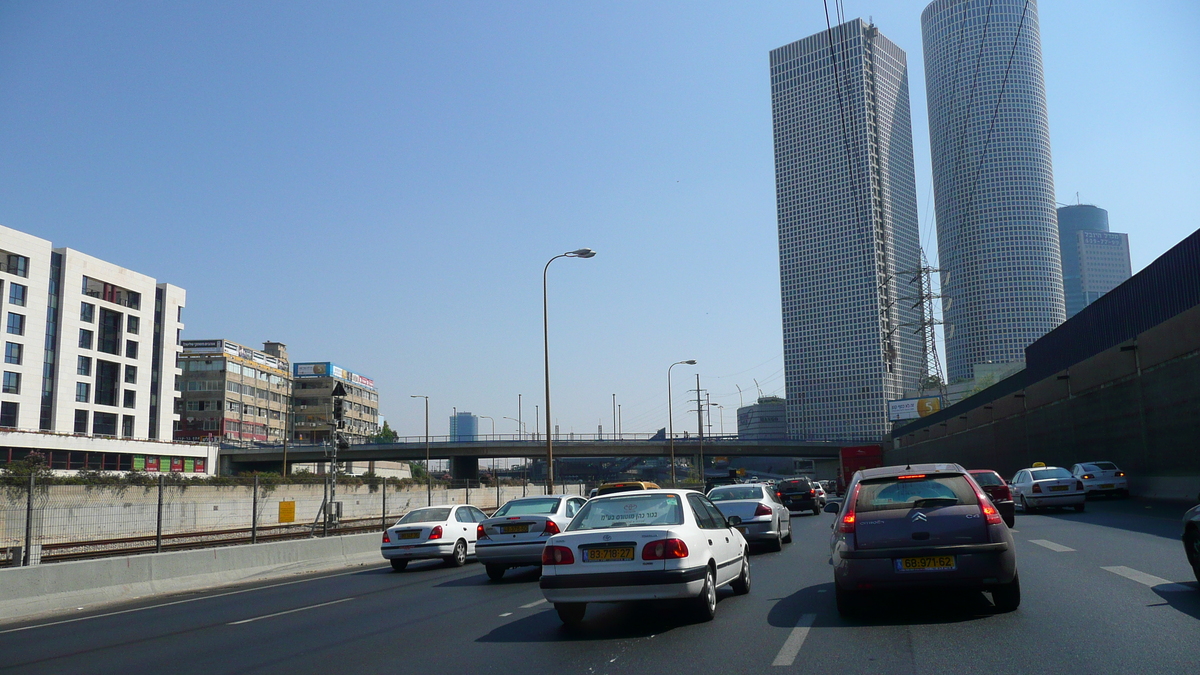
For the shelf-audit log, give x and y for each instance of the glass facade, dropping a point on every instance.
(1094, 260)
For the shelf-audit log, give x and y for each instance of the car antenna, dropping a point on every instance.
(909, 467)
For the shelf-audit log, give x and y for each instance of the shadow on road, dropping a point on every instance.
(1148, 516)
(517, 575)
(883, 608)
(1182, 600)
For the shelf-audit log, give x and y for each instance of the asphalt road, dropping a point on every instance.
(1105, 591)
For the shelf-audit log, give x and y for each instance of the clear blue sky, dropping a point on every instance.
(379, 184)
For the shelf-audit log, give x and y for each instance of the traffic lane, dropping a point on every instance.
(1149, 516)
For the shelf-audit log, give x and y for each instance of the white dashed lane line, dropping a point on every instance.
(506, 614)
(533, 604)
(290, 611)
(789, 650)
(1051, 545)
(1157, 583)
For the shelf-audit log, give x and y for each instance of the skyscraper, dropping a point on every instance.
(1094, 260)
(848, 237)
(992, 180)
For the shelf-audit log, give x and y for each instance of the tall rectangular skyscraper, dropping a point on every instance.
(1094, 260)
(848, 236)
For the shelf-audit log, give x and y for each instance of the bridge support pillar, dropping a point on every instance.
(464, 468)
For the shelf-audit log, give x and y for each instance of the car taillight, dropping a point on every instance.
(812, 492)
(1078, 485)
(480, 533)
(557, 555)
(1120, 474)
(665, 549)
(1037, 487)
(386, 539)
(846, 525)
(551, 528)
(763, 510)
(436, 532)
(987, 508)
(1087, 476)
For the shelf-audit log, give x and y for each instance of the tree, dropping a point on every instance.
(17, 472)
(386, 435)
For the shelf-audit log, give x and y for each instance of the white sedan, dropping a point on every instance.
(647, 545)
(1101, 478)
(446, 532)
(1043, 486)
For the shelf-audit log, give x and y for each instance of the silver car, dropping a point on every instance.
(920, 526)
(517, 532)
(764, 517)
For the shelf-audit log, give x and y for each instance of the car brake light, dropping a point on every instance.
(914, 476)
(846, 526)
(386, 539)
(1120, 474)
(1037, 487)
(551, 528)
(436, 532)
(1088, 476)
(557, 555)
(763, 510)
(986, 507)
(480, 533)
(664, 549)
(1078, 485)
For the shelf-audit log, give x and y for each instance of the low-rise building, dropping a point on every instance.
(313, 414)
(764, 420)
(234, 393)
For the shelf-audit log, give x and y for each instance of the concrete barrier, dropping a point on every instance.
(28, 591)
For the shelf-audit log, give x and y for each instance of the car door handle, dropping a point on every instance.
(710, 542)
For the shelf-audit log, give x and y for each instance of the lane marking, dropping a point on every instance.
(1051, 545)
(1158, 583)
(181, 602)
(290, 611)
(506, 614)
(791, 648)
(533, 604)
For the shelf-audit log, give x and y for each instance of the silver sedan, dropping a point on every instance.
(517, 532)
(763, 517)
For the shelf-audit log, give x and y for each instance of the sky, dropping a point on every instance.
(380, 184)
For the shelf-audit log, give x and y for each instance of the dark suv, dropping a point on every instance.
(797, 494)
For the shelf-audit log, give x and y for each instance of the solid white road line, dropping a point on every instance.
(533, 604)
(290, 611)
(1158, 583)
(789, 650)
(177, 602)
(1051, 545)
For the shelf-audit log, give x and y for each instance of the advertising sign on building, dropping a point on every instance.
(312, 369)
(200, 462)
(202, 345)
(913, 408)
(177, 464)
(152, 462)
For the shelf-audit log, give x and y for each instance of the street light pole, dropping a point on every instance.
(485, 417)
(579, 253)
(428, 473)
(670, 416)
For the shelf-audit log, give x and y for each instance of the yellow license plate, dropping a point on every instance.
(1107, 486)
(1059, 488)
(513, 529)
(608, 554)
(929, 563)
(409, 535)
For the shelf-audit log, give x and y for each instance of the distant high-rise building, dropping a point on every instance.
(992, 179)
(1094, 260)
(848, 236)
(464, 427)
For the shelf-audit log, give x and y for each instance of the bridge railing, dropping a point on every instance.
(499, 438)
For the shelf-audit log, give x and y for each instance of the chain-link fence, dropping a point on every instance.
(41, 521)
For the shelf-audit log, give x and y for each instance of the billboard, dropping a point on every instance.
(313, 369)
(913, 408)
(327, 369)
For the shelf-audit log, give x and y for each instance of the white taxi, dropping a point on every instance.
(645, 545)
(1044, 486)
(446, 532)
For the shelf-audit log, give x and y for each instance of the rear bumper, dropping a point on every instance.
(976, 566)
(417, 551)
(623, 586)
(505, 553)
(1119, 487)
(800, 503)
(1055, 500)
(759, 531)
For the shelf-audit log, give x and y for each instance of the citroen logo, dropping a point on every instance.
(920, 517)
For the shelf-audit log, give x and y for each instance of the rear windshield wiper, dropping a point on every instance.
(935, 501)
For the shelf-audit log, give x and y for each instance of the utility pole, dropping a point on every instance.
(520, 425)
(700, 421)
(614, 426)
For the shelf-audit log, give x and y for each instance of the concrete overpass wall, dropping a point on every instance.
(1136, 404)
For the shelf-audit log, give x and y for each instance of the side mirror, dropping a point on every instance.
(833, 507)
(734, 521)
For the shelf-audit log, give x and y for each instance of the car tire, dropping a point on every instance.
(849, 603)
(399, 565)
(495, 572)
(741, 585)
(1007, 597)
(705, 604)
(1079, 508)
(1191, 546)
(816, 510)
(776, 544)
(1010, 520)
(459, 557)
(1025, 507)
(788, 538)
(570, 613)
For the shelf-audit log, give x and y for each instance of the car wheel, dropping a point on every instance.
(1191, 545)
(1025, 508)
(741, 585)
(495, 572)
(570, 613)
(1008, 596)
(459, 557)
(788, 538)
(849, 603)
(1079, 508)
(399, 565)
(706, 603)
(1010, 520)
(776, 543)
(816, 510)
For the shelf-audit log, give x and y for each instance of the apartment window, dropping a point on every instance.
(16, 294)
(16, 324)
(130, 399)
(12, 382)
(131, 374)
(132, 324)
(85, 338)
(131, 349)
(104, 424)
(85, 366)
(18, 265)
(83, 392)
(8, 414)
(87, 312)
(12, 353)
(108, 376)
(109, 338)
(81, 421)
(127, 426)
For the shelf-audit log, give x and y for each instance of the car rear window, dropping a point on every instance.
(1106, 466)
(794, 486)
(526, 507)
(733, 493)
(1043, 474)
(883, 494)
(987, 478)
(628, 511)
(428, 515)
(624, 487)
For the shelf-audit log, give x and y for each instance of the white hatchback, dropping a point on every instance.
(645, 545)
(1101, 478)
(446, 532)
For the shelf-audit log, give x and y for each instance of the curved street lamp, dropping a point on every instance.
(485, 417)
(671, 415)
(578, 253)
(428, 473)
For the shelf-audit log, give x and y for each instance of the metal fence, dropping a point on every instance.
(43, 522)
